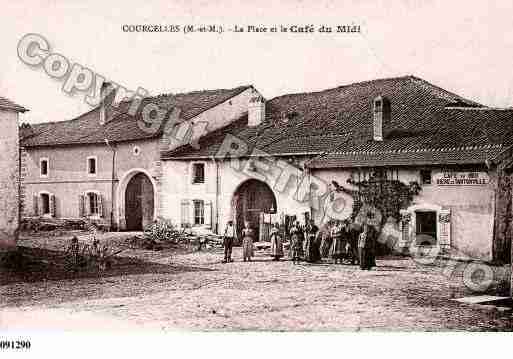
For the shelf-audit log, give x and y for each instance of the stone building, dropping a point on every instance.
(298, 156)
(287, 162)
(9, 173)
(105, 164)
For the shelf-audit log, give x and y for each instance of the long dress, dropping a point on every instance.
(247, 243)
(338, 247)
(296, 243)
(276, 244)
(311, 249)
(325, 245)
(353, 245)
(366, 250)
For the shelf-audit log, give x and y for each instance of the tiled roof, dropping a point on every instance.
(448, 156)
(7, 104)
(86, 129)
(335, 126)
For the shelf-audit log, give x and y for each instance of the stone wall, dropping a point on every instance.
(68, 178)
(9, 179)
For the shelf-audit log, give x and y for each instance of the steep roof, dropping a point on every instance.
(430, 125)
(7, 104)
(86, 128)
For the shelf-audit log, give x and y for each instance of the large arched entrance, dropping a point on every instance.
(252, 198)
(139, 202)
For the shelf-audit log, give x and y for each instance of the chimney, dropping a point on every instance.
(107, 94)
(381, 117)
(256, 111)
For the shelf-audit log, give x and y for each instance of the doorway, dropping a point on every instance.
(139, 202)
(251, 199)
(425, 231)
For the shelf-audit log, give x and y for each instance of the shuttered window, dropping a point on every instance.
(45, 204)
(93, 205)
(199, 212)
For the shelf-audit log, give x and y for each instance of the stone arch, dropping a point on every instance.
(249, 199)
(131, 180)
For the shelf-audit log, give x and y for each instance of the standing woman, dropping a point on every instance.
(337, 246)
(248, 234)
(276, 243)
(296, 243)
(325, 242)
(311, 248)
(366, 248)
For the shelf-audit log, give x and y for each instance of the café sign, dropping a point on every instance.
(462, 179)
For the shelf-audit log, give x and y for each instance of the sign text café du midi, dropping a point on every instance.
(462, 179)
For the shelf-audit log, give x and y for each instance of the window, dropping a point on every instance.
(93, 201)
(91, 165)
(198, 173)
(425, 176)
(43, 167)
(425, 228)
(377, 104)
(199, 213)
(45, 204)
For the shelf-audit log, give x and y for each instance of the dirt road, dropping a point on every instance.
(195, 291)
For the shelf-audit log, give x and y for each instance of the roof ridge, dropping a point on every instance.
(483, 108)
(441, 89)
(357, 83)
(426, 149)
(149, 97)
(79, 117)
(199, 91)
(8, 104)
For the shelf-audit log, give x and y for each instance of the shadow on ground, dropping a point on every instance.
(28, 265)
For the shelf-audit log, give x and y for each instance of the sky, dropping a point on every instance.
(465, 47)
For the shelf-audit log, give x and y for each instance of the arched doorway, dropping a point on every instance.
(139, 202)
(252, 198)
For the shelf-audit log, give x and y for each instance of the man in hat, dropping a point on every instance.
(228, 239)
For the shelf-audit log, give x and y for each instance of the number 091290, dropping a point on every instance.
(14, 344)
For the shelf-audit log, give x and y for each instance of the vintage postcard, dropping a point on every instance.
(225, 167)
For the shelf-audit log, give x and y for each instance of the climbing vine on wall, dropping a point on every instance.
(387, 195)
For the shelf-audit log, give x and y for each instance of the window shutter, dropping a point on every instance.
(185, 213)
(81, 206)
(405, 229)
(52, 205)
(36, 205)
(87, 205)
(99, 198)
(208, 213)
(444, 221)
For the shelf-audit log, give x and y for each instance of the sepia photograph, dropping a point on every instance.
(255, 176)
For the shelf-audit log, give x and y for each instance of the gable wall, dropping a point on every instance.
(9, 179)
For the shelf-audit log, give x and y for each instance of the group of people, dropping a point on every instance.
(344, 241)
